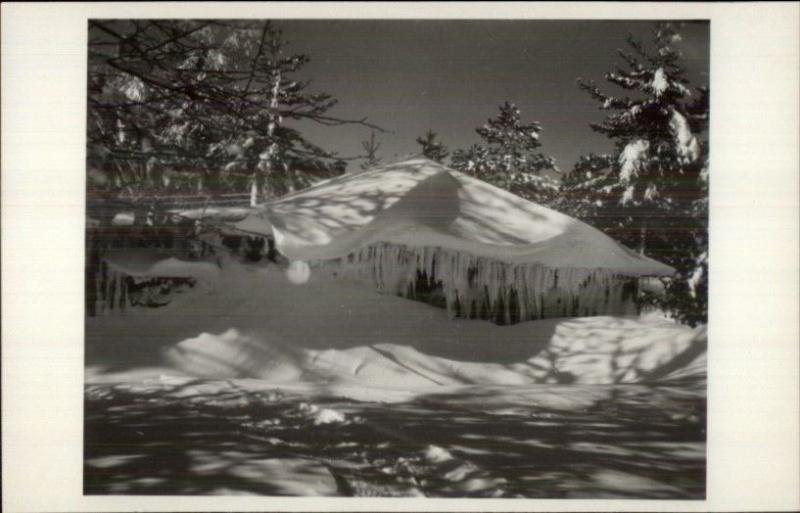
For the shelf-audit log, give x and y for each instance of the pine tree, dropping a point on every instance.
(584, 189)
(687, 296)
(432, 148)
(509, 158)
(649, 192)
(281, 159)
(202, 105)
(371, 147)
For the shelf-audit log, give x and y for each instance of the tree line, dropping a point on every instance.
(650, 191)
(203, 105)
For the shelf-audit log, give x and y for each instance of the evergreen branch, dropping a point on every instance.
(332, 121)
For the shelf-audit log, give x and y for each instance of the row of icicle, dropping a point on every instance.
(111, 290)
(488, 288)
(472, 287)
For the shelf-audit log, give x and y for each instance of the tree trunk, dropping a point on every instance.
(643, 237)
(254, 191)
(264, 169)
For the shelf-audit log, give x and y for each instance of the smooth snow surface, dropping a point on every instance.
(419, 203)
(329, 332)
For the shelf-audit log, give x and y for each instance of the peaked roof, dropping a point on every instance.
(418, 203)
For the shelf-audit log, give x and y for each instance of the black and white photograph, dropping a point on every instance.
(397, 258)
(371, 257)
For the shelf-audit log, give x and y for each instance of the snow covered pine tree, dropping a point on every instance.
(651, 193)
(202, 106)
(509, 159)
(432, 148)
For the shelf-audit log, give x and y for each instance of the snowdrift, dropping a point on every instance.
(331, 332)
(422, 203)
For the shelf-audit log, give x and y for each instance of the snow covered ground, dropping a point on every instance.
(255, 384)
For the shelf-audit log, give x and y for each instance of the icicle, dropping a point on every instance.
(128, 298)
(107, 281)
(112, 288)
(98, 289)
(123, 291)
(487, 288)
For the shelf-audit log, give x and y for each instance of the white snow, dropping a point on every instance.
(134, 89)
(419, 203)
(285, 476)
(111, 279)
(685, 143)
(322, 415)
(123, 219)
(660, 83)
(631, 159)
(627, 196)
(356, 343)
(621, 79)
(436, 454)
(146, 263)
(328, 416)
(704, 173)
(298, 272)
(697, 274)
(651, 192)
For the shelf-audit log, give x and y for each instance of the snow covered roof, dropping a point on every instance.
(419, 203)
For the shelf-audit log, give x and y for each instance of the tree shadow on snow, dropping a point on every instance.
(625, 442)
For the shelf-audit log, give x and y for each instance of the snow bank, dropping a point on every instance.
(233, 354)
(331, 333)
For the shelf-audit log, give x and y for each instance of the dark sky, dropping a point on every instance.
(411, 75)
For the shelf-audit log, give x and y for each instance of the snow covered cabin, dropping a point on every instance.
(418, 227)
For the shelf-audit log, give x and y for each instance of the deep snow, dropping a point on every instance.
(251, 321)
(422, 203)
(255, 384)
(167, 436)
